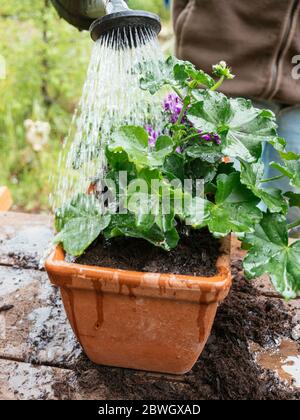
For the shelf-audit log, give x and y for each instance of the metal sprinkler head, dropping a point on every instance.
(132, 25)
(106, 17)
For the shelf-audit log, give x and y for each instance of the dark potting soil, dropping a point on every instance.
(195, 255)
(225, 371)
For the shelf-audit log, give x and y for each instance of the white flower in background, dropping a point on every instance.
(37, 134)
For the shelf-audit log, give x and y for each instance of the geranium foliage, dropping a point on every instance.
(209, 137)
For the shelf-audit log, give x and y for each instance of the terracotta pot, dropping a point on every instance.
(5, 199)
(153, 322)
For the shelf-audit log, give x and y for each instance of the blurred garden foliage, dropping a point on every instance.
(45, 61)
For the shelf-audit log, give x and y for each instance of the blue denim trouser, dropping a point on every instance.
(288, 119)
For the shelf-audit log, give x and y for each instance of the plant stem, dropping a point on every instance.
(177, 91)
(181, 115)
(218, 84)
(190, 137)
(185, 107)
(294, 225)
(275, 178)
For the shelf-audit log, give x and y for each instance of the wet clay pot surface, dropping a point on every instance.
(147, 321)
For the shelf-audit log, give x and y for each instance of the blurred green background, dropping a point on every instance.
(45, 66)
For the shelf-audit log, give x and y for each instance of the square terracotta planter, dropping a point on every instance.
(5, 199)
(153, 322)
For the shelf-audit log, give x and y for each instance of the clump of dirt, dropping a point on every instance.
(227, 364)
(63, 390)
(195, 255)
(6, 308)
(23, 260)
(226, 370)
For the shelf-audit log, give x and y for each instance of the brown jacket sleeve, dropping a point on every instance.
(178, 7)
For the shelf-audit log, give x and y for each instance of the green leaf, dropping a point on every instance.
(126, 225)
(134, 141)
(242, 128)
(249, 127)
(235, 208)
(294, 198)
(173, 72)
(80, 205)
(158, 200)
(164, 144)
(291, 169)
(79, 233)
(174, 167)
(280, 144)
(185, 72)
(118, 160)
(79, 223)
(152, 202)
(181, 69)
(197, 211)
(251, 176)
(270, 253)
(206, 153)
(211, 112)
(289, 155)
(153, 82)
(201, 78)
(201, 170)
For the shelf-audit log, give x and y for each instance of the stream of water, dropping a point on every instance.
(111, 98)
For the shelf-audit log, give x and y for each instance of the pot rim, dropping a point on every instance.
(61, 272)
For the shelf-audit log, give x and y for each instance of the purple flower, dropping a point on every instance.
(210, 137)
(173, 105)
(217, 139)
(153, 135)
